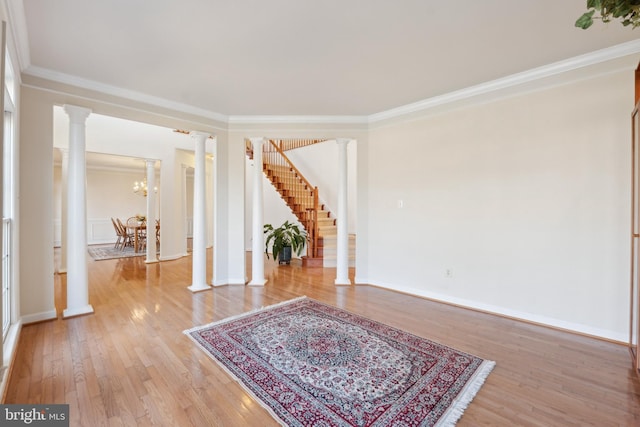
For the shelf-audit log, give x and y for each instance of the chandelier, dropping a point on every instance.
(140, 187)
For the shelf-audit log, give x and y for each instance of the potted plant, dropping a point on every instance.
(284, 239)
(628, 11)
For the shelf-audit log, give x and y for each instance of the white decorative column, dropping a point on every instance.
(257, 257)
(77, 273)
(342, 270)
(183, 207)
(152, 249)
(199, 275)
(63, 217)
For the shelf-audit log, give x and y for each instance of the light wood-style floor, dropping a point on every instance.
(130, 364)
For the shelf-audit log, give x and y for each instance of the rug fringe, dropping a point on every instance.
(454, 412)
(224, 368)
(448, 419)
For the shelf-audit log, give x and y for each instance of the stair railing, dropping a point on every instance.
(295, 189)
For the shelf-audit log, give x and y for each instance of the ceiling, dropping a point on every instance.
(297, 57)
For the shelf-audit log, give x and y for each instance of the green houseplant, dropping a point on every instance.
(626, 10)
(283, 240)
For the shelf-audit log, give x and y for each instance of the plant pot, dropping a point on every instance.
(284, 257)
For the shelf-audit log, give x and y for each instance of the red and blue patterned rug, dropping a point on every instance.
(311, 364)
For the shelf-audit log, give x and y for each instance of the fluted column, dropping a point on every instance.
(63, 214)
(342, 270)
(77, 273)
(152, 249)
(257, 257)
(199, 275)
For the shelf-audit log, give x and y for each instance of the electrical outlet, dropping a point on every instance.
(448, 273)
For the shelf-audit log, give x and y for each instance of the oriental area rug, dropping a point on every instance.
(103, 252)
(311, 364)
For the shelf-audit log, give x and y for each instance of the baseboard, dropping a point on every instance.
(551, 322)
(171, 257)
(39, 317)
(229, 282)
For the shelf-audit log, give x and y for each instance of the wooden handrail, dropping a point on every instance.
(293, 186)
(291, 144)
(287, 161)
(295, 189)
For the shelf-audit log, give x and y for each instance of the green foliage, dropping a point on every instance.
(628, 11)
(287, 234)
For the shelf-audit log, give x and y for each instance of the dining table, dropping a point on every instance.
(137, 230)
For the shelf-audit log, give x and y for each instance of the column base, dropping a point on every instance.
(342, 282)
(199, 288)
(257, 282)
(217, 284)
(73, 312)
(151, 261)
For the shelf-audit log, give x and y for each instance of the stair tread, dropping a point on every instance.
(296, 194)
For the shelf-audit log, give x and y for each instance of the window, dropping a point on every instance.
(8, 195)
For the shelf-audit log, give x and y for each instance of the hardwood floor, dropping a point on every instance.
(130, 364)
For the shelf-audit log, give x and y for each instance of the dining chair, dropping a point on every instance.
(127, 237)
(134, 224)
(118, 233)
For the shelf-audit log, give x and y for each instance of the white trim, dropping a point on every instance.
(513, 80)
(199, 288)
(78, 311)
(122, 93)
(257, 283)
(172, 257)
(18, 28)
(528, 76)
(510, 313)
(363, 120)
(39, 317)
(217, 283)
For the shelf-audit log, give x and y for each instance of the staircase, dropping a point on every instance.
(302, 199)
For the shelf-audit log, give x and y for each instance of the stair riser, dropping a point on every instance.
(296, 194)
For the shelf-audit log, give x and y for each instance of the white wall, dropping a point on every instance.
(525, 200)
(35, 205)
(319, 164)
(275, 210)
(109, 195)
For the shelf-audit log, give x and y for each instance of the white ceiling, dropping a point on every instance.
(299, 57)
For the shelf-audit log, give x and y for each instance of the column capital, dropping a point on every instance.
(150, 162)
(196, 134)
(76, 114)
(257, 141)
(344, 141)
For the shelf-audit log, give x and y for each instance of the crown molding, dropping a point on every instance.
(298, 119)
(122, 93)
(494, 86)
(18, 28)
(513, 80)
